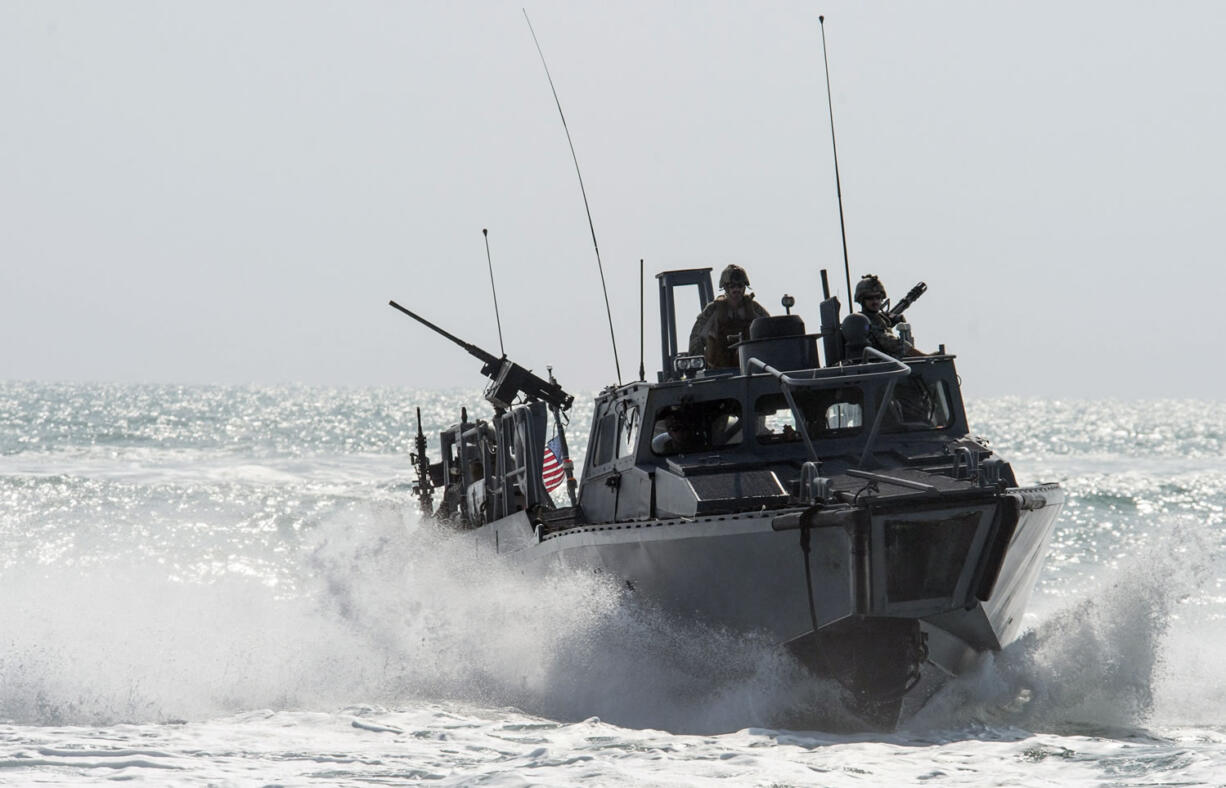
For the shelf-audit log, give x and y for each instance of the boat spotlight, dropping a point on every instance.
(689, 365)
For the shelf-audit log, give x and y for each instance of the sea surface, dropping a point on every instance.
(231, 586)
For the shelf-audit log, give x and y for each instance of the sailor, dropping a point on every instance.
(870, 295)
(678, 436)
(728, 315)
(912, 405)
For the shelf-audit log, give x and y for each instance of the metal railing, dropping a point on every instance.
(825, 377)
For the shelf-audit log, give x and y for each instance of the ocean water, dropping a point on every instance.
(231, 586)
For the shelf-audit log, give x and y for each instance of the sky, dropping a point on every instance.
(231, 192)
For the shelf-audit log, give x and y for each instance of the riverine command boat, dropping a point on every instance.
(834, 501)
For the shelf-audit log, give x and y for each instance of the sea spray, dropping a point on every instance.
(1097, 662)
(377, 611)
(568, 644)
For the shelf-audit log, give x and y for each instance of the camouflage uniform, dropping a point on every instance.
(881, 334)
(880, 325)
(717, 322)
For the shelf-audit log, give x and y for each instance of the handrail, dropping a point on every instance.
(886, 398)
(787, 382)
(881, 477)
(839, 373)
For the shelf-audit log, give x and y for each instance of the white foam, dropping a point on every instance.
(379, 614)
(1123, 655)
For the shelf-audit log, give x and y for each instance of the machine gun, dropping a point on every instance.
(507, 379)
(424, 488)
(895, 312)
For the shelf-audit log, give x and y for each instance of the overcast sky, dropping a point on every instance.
(231, 192)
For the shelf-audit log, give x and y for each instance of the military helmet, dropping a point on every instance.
(869, 285)
(733, 274)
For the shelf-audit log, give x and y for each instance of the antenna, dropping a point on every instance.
(642, 369)
(494, 290)
(821, 20)
(583, 191)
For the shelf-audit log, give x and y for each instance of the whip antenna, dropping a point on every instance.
(821, 21)
(494, 290)
(642, 369)
(583, 191)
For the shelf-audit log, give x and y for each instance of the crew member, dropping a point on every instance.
(728, 315)
(870, 295)
(678, 437)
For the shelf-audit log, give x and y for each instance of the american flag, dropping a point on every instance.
(551, 470)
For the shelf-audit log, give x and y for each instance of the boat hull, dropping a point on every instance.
(882, 591)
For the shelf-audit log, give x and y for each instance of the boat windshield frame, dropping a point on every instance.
(876, 381)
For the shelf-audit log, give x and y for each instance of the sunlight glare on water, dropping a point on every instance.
(242, 572)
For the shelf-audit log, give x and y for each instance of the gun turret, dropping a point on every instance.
(910, 298)
(507, 379)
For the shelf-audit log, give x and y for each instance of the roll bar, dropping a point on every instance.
(887, 367)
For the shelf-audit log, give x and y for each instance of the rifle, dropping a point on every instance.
(507, 379)
(424, 487)
(568, 466)
(895, 312)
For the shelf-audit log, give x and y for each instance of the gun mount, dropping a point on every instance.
(507, 379)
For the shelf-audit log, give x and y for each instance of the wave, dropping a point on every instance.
(382, 612)
(1123, 655)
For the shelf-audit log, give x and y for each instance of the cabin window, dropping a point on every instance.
(627, 429)
(696, 427)
(844, 416)
(827, 413)
(616, 434)
(919, 404)
(605, 436)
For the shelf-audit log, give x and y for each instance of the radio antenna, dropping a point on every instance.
(494, 290)
(583, 191)
(642, 369)
(838, 186)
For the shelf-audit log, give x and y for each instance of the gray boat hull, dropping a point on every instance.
(959, 572)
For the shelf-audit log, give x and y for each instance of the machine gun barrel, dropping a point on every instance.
(507, 379)
(910, 298)
(473, 350)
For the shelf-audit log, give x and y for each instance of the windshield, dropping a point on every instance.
(918, 404)
(696, 427)
(827, 413)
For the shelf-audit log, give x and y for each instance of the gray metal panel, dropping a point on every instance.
(1022, 563)
(675, 496)
(507, 535)
(728, 570)
(634, 495)
(598, 497)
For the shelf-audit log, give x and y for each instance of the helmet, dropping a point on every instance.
(869, 285)
(733, 274)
